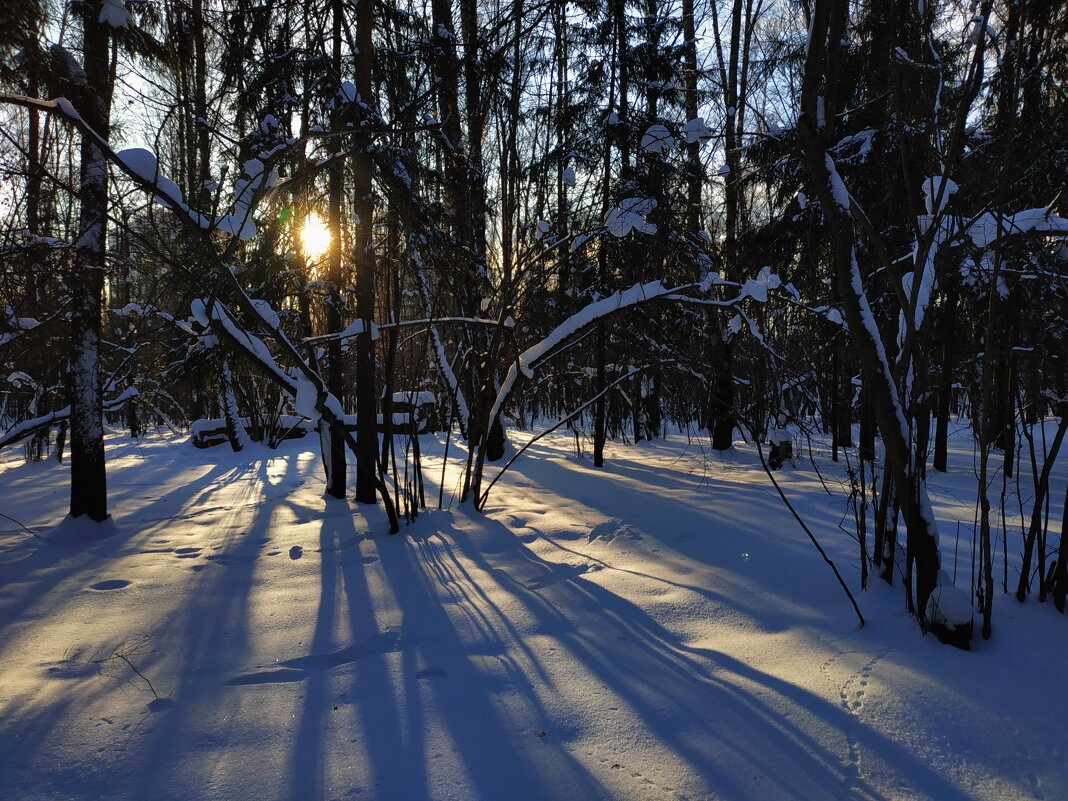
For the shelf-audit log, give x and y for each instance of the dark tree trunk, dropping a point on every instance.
(819, 107)
(331, 437)
(945, 388)
(1060, 567)
(88, 482)
(367, 479)
(721, 399)
(1035, 527)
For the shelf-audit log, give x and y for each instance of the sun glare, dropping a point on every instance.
(314, 237)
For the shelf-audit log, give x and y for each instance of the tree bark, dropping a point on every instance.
(331, 440)
(819, 107)
(366, 406)
(88, 480)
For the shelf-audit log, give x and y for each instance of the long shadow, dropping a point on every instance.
(207, 629)
(342, 572)
(718, 534)
(53, 563)
(448, 668)
(206, 639)
(306, 761)
(721, 716)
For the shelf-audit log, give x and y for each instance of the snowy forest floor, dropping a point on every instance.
(657, 629)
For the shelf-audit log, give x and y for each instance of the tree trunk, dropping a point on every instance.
(88, 481)
(818, 111)
(366, 406)
(331, 440)
(1060, 568)
(1035, 526)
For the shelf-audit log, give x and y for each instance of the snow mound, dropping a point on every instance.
(613, 529)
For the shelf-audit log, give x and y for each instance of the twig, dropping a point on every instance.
(485, 494)
(20, 525)
(124, 653)
(811, 536)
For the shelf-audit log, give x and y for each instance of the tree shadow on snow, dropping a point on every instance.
(407, 676)
(742, 733)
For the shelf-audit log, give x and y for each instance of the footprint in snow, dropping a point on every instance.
(559, 573)
(111, 584)
(296, 552)
(431, 673)
(612, 529)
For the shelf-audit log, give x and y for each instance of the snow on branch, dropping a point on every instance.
(463, 412)
(528, 360)
(18, 325)
(987, 228)
(630, 216)
(141, 166)
(657, 139)
(26, 427)
(357, 327)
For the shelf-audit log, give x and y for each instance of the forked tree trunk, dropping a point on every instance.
(819, 107)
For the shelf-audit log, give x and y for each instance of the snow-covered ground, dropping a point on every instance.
(657, 629)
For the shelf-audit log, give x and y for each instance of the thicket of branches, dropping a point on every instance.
(740, 217)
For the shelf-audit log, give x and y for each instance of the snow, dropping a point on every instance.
(144, 164)
(758, 288)
(988, 227)
(656, 629)
(401, 172)
(306, 397)
(856, 148)
(658, 139)
(630, 216)
(867, 320)
(695, 130)
(347, 92)
(569, 176)
(416, 398)
(948, 604)
(114, 13)
(838, 187)
(19, 324)
(931, 187)
(269, 315)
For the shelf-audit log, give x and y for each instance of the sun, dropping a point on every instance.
(314, 237)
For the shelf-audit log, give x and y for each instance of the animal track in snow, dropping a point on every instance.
(851, 698)
(111, 584)
(616, 765)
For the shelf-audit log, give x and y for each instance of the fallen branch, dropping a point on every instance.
(811, 536)
(20, 525)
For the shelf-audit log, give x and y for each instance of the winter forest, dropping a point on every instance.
(533, 399)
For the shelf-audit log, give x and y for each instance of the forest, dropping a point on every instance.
(533, 230)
